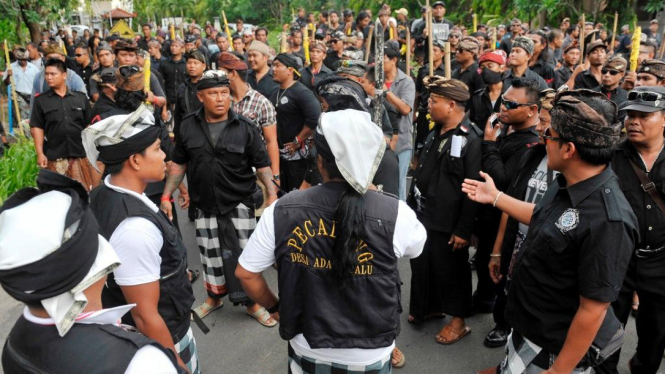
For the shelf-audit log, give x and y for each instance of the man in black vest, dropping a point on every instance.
(154, 274)
(218, 149)
(186, 101)
(343, 242)
(441, 277)
(63, 328)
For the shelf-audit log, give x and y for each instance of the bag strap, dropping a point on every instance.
(648, 186)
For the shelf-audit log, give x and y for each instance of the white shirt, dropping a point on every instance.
(259, 254)
(24, 78)
(148, 359)
(137, 242)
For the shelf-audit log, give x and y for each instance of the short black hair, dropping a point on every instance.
(83, 46)
(361, 16)
(221, 35)
(571, 29)
(261, 29)
(117, 168)
(531, 89)
(553, 35)
(330, 12)
(58, 64)
(242, 74)
(369, 74)
(235, 37)
(146, 24)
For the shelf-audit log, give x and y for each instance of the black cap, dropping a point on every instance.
(337, 35)
(190, 38)
(646, 99)
(347, 12)
(438, 3)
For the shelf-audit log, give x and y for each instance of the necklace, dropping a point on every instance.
(280, 94)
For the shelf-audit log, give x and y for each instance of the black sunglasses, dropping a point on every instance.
(548, 136)
(612, 72)
(510, 105)
(645, 96)
(78, 55)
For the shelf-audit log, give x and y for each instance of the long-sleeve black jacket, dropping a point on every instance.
(446, 208)
(501, 159)
(174, 73)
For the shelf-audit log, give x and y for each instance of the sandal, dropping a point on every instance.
(449, 331)
(193, 275)
(399, 356)
(262, 316)
(204, 309)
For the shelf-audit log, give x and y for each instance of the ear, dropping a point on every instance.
(569, 150)
(133, 162)
(199, 95)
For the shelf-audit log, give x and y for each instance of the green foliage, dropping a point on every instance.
(18, 168)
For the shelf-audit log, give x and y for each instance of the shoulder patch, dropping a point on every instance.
(612, 208)
(476, 129)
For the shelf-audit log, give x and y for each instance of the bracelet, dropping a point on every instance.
(296, 141)
(497, 198)
(274, 309)
(495, 255)
(166, 199)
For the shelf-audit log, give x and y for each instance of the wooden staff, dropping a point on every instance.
(475, 22)
(446, 59)
(284, 43)
(430, 39)
(182, 25)
(662, 47)
(493, 46)
(614, 29)
(14, 97)
(635, 49)
(582, 37)
(305, 46)
(369, 42)
(408, 52)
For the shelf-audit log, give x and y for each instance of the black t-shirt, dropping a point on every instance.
(579, 243)
(216, 129)
(296, 107)
(432, 162)
(331, 60)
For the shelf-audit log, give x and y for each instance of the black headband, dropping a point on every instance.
(117, 153)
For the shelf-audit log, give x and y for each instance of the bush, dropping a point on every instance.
(18, 168)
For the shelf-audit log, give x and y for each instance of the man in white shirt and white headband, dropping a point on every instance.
(154, 270)
(336, 247)
(59, 271)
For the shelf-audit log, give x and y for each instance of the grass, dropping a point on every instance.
(18, 168)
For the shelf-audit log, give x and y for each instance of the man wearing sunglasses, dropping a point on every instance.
(467, 72)
(518, 118)
(578, 246)
(612, 72)
(334, 54)
(82, 57)
(640, 165)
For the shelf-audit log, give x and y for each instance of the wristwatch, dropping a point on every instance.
(275, 177)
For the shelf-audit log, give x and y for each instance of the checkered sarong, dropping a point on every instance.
(306, 365)
(525, 357)
(215, 250)
(188, 352)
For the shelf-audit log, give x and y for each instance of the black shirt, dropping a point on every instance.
(143, 43)
(266, 86)
(174, 73)
(420, 86)
(220, 176)
(481, 108)
(311, 80)
(650, 218)
(445, 208)
(86, 73)
(501, 159)
(296, 107)
(579, 243)
(62, 119)
(563, 75)
(618, 96)
(331, 60)
(186, 102)
(508, 77)
(470, 77)
(103, 105)
(586, 80)
(545, 70)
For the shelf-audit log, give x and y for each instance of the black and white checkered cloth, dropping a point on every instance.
(306, 365)
(188, 352)
(525, 357)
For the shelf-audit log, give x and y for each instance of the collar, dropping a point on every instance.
(142, 197)
(581, 190)
(109, 316)
(629, 150)
(400, 76)
(51, 92)
(471, 68)
(233, 116)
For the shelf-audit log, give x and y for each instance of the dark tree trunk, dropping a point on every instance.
(33, 26)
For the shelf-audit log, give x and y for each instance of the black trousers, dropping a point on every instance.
(292, 173)
(485, 293)
(647, 277)
(440, 279)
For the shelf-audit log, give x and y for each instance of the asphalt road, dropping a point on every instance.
(238, 344)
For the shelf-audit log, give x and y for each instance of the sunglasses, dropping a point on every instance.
(645, 96)
(548, 136)
(510, 105)
(612, 72)
(78, 55)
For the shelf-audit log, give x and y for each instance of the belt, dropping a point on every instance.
(644, 253)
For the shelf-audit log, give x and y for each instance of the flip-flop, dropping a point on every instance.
(450, 330)
(204, 309)
(195, 275)
(401, 362)
(262, 316)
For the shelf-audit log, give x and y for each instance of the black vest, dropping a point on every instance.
(366, 314)
(87, 348)
(175, 291)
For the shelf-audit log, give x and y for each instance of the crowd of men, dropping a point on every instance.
(541, 151)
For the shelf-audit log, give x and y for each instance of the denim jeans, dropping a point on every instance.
(404, 158)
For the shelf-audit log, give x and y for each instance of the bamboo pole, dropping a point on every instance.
(582, 37)
(369, 42)
(493, 46)
(614, 29)
(446, 59)
(430, 39)
(408, 51)
(14, 98)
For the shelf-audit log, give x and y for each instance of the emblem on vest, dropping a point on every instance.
(313, 231)
(568, 220)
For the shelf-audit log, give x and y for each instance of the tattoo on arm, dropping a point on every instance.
(176, 175)
(265, 176)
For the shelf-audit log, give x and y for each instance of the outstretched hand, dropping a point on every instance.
(480, 192)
